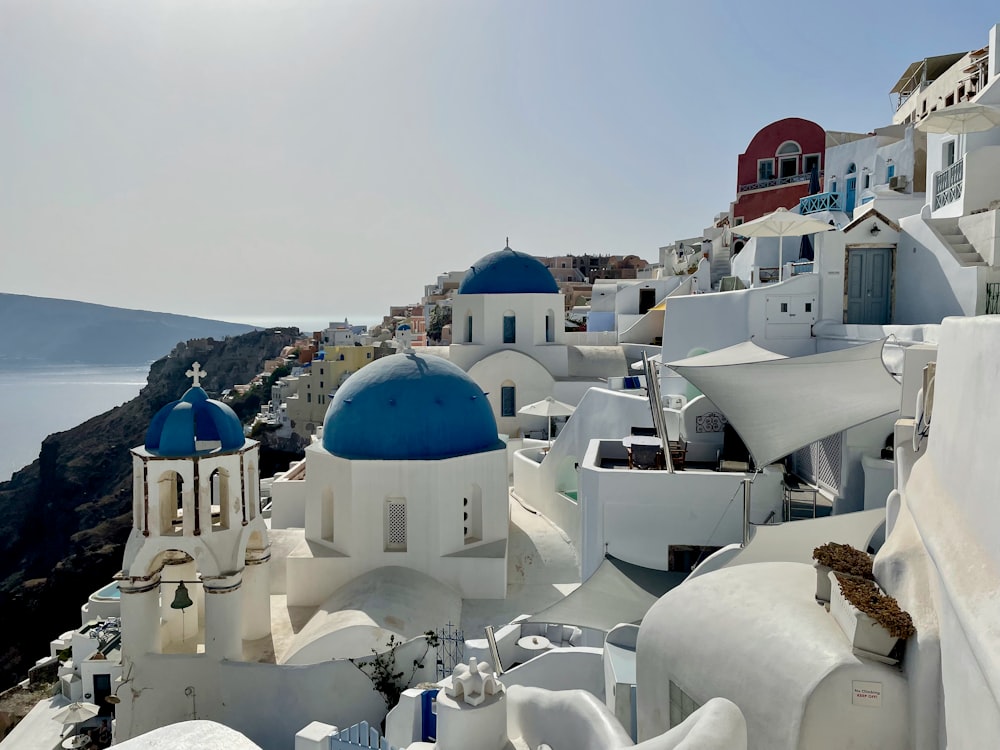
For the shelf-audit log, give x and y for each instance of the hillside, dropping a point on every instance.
(65, 518)
(40, 329)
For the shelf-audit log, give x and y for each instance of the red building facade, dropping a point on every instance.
(774, 170)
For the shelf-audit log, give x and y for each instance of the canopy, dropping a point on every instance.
(966, 117)
(617, 592)
(780, 404)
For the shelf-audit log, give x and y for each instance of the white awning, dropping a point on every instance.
(780, 404)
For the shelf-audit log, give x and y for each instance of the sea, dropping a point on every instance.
(36, 401)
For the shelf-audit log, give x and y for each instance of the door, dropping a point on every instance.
(102, 689)
(869, 280)
(849, 192)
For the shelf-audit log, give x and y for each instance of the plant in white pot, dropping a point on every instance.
(840, 558)
(870, 619)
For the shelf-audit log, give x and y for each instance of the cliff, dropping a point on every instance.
(40, 329)
(65, 518)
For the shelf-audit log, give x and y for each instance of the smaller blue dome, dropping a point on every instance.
(408, 407)
(508, 272)
(194, 418)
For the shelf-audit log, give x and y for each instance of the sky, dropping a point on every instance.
(308, 160)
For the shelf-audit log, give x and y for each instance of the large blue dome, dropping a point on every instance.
(179, 427)
(508, 272)
(409, 407)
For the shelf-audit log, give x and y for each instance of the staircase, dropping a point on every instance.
(720, 263)
(803, 501)
(956, 241)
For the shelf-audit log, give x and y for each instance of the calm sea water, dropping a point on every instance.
(37, 401)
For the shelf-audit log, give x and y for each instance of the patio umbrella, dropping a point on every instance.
(548, 407)
(781, 223)
(74, 713)
(966, 117)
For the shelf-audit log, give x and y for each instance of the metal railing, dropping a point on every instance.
(775, 181)
(948, 184)
(812, 204)
(800, 267)
(992, 298)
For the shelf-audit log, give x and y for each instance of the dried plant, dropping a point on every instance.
(880, 607)
(843, 558)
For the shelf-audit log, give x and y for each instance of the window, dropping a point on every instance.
(789, 147)
(395, 524)
(890, 172)
(550, 327)
(810, 162)
(468, 330)
(809, 306)
(788, 166)
(784, 307)
(219, 486)
(171, 502)
(509, 328)
(867, 181)
(472, 515)
(765, 169)
(949, 154)
(309, 398)
(508, 401)
(852, 168)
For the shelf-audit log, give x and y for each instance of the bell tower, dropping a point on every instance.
(195, 577)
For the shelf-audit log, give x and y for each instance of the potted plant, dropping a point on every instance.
(870, 619)
(841, 558)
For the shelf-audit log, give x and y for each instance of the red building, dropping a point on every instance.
(774, 170)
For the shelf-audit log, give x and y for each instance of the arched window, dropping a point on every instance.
(852, 168)
(508, 399)
(395, 524)
(509, 327)
(171, 502)
(219, 487)
(788, 155)
(472, 514)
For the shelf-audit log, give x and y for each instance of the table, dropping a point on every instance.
(76, 742)
(534, 643)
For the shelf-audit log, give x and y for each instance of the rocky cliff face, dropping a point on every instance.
(65, 518)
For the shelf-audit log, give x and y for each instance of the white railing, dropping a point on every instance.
(360, 735)
(948, 184)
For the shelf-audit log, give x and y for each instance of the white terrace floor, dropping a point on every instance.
(541, 570)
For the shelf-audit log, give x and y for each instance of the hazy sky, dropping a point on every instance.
(255, 160)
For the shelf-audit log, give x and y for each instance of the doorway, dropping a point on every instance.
(869, 286)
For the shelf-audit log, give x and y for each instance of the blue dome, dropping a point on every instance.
(409, 407)
(194, 418)
(508, 272)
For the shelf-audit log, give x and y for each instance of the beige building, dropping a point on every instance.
(318, 381)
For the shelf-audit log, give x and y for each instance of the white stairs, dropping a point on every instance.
(720, 264)
(957, 242)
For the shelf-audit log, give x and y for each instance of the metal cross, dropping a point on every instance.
(196, 373)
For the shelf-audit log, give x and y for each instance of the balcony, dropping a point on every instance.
(775, 182)
(812, 204)
(948, 184)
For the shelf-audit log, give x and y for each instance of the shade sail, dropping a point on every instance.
(965, 117)
(617, 592)
(778, 405)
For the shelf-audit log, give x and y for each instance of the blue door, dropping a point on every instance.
(850, 191)
(869, 280)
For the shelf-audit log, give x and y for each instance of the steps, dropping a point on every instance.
(720, 264)
(956, 241)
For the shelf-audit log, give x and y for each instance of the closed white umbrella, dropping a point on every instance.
(781, 223)
(548, 407)
(966, 117)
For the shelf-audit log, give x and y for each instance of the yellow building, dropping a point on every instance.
(320, 380)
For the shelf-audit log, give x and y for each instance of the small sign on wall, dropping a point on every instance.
(867, 694)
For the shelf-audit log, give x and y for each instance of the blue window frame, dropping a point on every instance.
(890, 172)
(508, 401)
